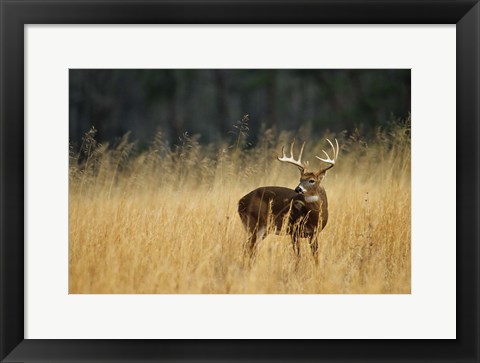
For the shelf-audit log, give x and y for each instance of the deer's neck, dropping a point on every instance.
(315, 201)
(312, 198)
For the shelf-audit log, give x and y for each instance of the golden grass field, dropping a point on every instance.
(165, 221)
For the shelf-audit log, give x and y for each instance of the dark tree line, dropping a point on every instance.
(209, 101)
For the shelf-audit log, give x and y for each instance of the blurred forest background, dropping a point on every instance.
(208, 102)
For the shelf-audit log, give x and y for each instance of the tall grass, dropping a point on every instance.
(165, 220)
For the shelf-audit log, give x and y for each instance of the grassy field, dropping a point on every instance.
(165, 220)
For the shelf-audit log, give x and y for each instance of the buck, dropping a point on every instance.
(302, 212)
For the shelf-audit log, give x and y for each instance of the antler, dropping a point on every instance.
(291, 159)
(328, 159)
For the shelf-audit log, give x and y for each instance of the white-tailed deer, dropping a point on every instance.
(302, 212)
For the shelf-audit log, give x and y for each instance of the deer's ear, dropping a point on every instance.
(321, 175)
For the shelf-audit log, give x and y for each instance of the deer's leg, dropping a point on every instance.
(296, 250)
(249, 247)
(295, 245)
(257, 234)
(313, 241)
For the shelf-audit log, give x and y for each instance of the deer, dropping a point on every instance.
(301, 212)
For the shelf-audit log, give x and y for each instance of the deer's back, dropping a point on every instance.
(277, 197)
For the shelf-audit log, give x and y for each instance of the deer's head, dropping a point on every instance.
(310, 181)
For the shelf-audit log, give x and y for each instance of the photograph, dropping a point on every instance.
(239, 181)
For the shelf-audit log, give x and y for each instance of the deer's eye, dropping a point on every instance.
(312, 181)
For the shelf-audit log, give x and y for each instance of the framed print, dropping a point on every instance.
(164, 189)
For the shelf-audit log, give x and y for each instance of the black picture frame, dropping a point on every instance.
(15, 14)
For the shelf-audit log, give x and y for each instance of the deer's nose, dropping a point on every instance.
(299, 189)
